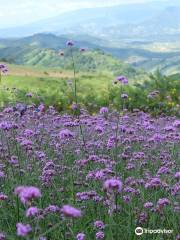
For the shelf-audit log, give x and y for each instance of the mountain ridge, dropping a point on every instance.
(42, 49)
(25, 52)
(94, 18)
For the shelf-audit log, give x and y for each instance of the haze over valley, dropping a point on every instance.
(144, 35)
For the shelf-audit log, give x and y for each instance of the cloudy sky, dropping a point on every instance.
(19, 12)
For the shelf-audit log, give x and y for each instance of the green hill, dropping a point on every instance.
(43, 50)
(125, 58)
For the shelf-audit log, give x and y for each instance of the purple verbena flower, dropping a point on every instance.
(104, 110)
(148, 205)
(163, 202)
(122, 79)
(113, 185)
(70, 43)
(3, 197)
(26, 194)
(80, 236)
(124, 96)
(65, 133)
(2, 236)
(177, 175)
(32, 211)
(99, 235)
(22, 229)
(99, 224)
(70, 211)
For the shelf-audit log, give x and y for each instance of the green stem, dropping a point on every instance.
(75, 94)
(116, 133)
(17, 205)
(74, 75)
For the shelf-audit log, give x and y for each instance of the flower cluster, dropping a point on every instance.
(86, 177)
(26, 194)
(3, 68)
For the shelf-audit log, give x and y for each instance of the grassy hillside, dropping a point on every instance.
(54, 87)
(117, 57)
(43, 50)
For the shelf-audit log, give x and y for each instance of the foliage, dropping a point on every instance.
(94, 91)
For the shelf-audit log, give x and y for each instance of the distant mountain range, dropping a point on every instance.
(135, 36)
(141, 21)
(43, 50)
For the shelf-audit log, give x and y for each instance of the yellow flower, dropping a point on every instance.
(171, 104)
(173, 91)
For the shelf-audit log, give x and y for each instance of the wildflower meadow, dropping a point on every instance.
(111, 175)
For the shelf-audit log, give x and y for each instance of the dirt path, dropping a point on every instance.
(27, 71)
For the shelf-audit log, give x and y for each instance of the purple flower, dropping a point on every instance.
(99, 225)
(122, 79)
(41, 107)
(103, 110)
(2, 236)
(142, 217)
(163, 202)
(70, 211)
(99, 129)
(23, 230)
(100, 235)
(52, 208)
(2, 175)
(126, 199)
(61, 53)
(153, 94)
(3, 68)
(176, 123)
(153, 183)
(175, 189)
(70, 43)
(82, 50)
(5, 125)
(148, 205)
(28, 133)
(113, 185)
(65, 133)
(124, 96)
(32, 211)
(163, 170)
(42, 238)
(29, 94)
(27, 193)
(177, 175)
(178, 237)
(80, 236)
(74, 106)
(3, 197)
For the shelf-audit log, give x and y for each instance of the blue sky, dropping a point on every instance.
(20, 12)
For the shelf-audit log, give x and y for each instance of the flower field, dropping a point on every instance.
(71, 175)
(87, 177)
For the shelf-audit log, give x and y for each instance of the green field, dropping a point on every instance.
(55, 87)
(52, 87)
